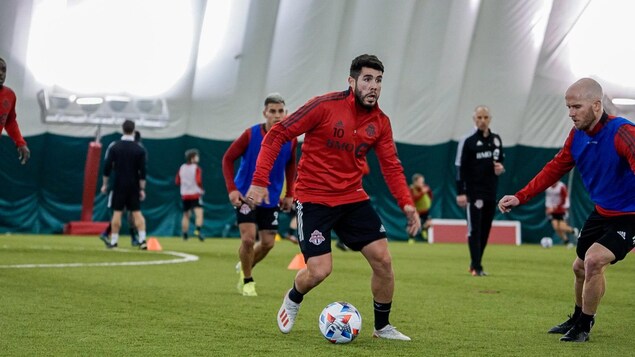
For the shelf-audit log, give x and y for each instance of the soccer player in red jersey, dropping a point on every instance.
(339, 130)
(8, 118)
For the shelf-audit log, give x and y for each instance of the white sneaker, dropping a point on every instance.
(390, 332)
(241, 277)
(287, 314)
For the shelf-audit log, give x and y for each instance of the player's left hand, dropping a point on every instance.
(286, 204)
(414, 222)
(499, 169)
(23, 154)
(256, 195)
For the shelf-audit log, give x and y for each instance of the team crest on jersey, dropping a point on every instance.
(478, 204)
(244, 209)
(370, 130)
(497, 142)
(6, 104)
(316, 237)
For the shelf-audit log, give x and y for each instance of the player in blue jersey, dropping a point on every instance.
(602, 147)
(258, 227)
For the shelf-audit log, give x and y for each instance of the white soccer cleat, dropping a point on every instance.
(241, 277)
(287, 314)
(389, 332)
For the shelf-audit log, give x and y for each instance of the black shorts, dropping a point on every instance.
(266, 218)
(127, 198)
(356, 225)
(192, 203)
(556, 216)
(617, 234)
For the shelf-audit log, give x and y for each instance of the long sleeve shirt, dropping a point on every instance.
(338, 134)
(563, 162)
(8, 117)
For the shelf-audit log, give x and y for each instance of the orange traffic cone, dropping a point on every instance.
(297, 262)
(153, 244)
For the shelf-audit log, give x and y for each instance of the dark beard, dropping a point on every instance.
(358, 99)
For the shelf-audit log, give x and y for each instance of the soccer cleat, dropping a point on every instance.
(111, 246)
(249, 289)
(563, 327)
(241, 278)
(197, 233)
(389, 332)
(575, 334)
(104, 238)
(143, 245)
(287, 314)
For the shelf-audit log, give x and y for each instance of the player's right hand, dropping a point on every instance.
(236, 199)
(23, 154)
(507, 202)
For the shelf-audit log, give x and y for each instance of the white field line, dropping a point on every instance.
(182, 258)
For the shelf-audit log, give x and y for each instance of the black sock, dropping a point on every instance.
(295, 295)
(248, 280)
(585, 321)
(577, 310)
(382, 311)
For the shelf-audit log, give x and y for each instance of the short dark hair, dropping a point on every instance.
(189, 154)
(275, 98)
(365, 60)
(128, 127)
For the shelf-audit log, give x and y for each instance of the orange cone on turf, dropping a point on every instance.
(153, 244)
(297, 262)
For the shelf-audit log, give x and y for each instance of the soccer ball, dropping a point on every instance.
(546, 242)
(340, 322)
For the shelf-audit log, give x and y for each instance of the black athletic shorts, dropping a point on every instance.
(617, 234)
(356, 224)
(126, 198)
(266, 218)
(557, 216)
(192, 203)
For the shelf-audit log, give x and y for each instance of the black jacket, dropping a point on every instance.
(475, 159)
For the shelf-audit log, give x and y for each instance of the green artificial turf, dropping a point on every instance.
(193, 308)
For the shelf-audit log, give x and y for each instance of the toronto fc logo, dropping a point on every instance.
(370, 130)
(316, 237)
(244, 209)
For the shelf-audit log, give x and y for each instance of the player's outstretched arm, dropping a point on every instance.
(507, 202)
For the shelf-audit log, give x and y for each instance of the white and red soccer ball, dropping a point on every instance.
(340, 322)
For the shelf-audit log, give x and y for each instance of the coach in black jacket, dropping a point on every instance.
(479, 162)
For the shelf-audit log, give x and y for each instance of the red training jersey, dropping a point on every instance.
(8, 117)
(563, 162)
(338, 134)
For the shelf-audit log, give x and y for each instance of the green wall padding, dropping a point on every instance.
(45, 194)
